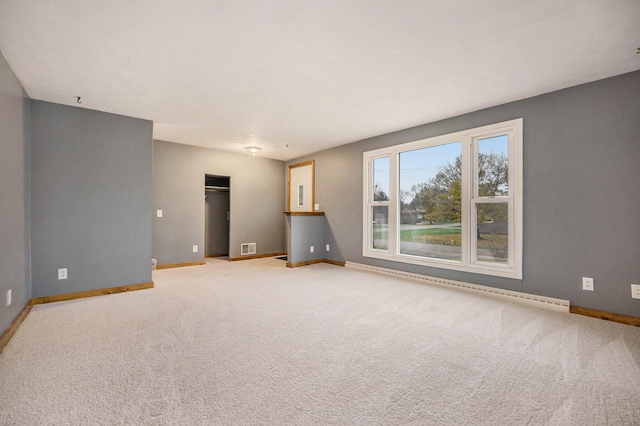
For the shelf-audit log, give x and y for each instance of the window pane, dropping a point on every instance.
(493, 166)
(430, 202)
(380, 227)
(493, 232)
(381, 179)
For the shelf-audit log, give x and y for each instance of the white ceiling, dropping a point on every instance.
(294, 77)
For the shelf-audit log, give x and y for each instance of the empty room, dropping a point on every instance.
(320, 213)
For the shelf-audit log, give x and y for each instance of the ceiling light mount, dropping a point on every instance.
(253, 150)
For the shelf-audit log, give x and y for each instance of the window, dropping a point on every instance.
(452, 201)
(378, 209)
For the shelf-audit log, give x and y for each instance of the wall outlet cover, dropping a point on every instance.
(195, 249)
(635, 291)
(8, 297)
(587, 283)
(327, 247)
(159, 213)
(62, 273)
(311, 249)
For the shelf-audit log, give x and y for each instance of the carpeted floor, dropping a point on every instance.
(253, 342)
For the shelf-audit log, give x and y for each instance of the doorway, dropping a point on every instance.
(217, 215)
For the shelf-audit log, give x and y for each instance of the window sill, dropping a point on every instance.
(478, 268)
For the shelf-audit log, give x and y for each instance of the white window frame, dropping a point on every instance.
(370, 203)
(469, 139)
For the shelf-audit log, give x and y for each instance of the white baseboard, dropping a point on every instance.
(549, 303)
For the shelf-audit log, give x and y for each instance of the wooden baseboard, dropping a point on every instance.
(181, 265)
(312, 262)
(624, 319)
(215, 255)
(90, 293)
(256, 256)
(334, 262)
(7, 335)
(306, 262)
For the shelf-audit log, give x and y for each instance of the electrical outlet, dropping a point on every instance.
(195, 249)
(587, 283)
(159, 213)
(327, 247)
(62, 273)
(8, 297)
(311, 249)
(316, 207)
(635, 291)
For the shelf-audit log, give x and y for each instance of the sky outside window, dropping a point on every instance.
(493, 166)
(381, 179)
(421, 165)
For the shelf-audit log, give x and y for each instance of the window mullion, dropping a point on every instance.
(472, 222)
(467, 188)
(394, 200)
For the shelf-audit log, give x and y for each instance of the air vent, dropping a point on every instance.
(247, 248)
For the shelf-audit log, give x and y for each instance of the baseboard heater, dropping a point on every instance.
(550, 303)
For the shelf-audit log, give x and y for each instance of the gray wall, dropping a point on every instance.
(14, 196)
(256, 199)
(303, 232)
(581, 202)
(90, 199)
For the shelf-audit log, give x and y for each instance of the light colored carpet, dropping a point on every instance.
(253, 342)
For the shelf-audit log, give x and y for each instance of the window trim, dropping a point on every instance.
(370, 203)
(514, 200)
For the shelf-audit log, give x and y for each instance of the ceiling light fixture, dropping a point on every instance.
(253, 150)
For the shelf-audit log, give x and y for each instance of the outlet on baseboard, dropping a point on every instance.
(587, 283)
(635, 291)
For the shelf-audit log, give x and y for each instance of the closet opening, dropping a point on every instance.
(217, 215)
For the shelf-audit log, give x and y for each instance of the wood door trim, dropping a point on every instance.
(312, 163)
(304, 213)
